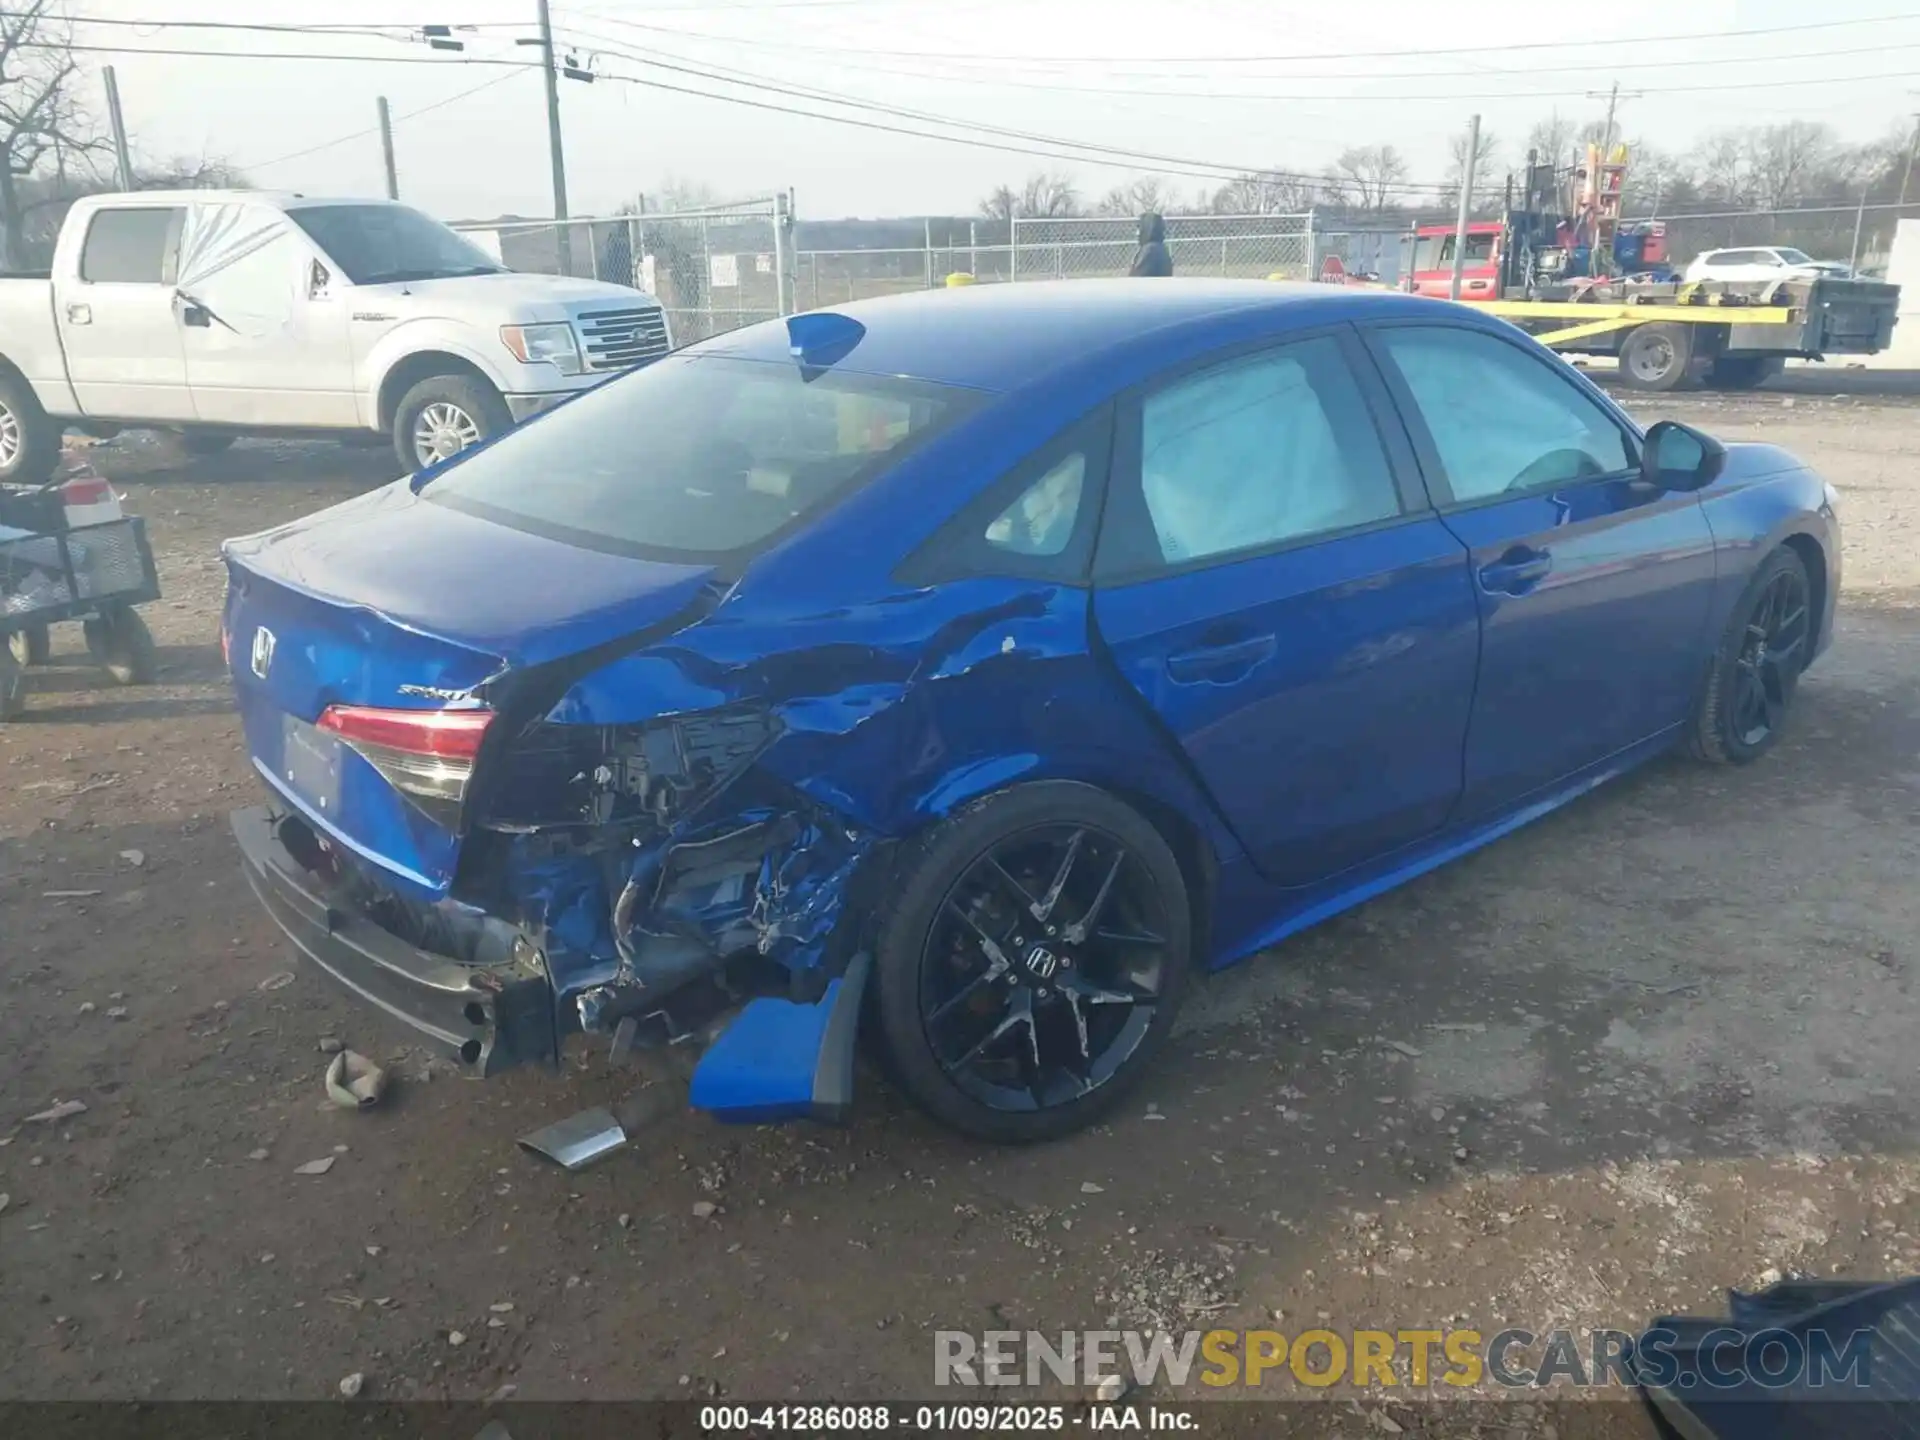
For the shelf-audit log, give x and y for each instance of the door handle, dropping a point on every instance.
(1215, 662)
(197, 317)
(79, 314)
(1516, 572)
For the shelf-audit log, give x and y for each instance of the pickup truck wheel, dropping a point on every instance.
(443, 415)
(120, 642)
(1743, 372)
(29, 439)
(206, 442)
(1657, 357)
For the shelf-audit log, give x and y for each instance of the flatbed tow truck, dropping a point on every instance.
(1576, 279)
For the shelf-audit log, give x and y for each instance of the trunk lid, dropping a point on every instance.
(394, 602)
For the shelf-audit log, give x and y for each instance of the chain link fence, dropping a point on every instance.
(712, 270)
(1242, 246)
(1857, 235)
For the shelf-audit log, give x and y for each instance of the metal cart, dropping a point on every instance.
(66, 553)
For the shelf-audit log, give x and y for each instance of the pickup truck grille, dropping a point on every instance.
(621, 339)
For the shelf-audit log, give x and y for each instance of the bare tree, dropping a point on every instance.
(1786, 161)
(1138, 196)
(1552, 139)
(1002, 203)
(1484, 154)
(1049, 195)
(44, 127)
(1365, 177)
(1265, 192)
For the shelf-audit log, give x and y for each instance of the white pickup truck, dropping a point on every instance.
(226, 313)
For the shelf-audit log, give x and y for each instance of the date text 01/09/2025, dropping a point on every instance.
(943, 1419)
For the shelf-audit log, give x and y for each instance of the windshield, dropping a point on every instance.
(1792, 256)
(696, 455)
(1435, 252)
(379, 244)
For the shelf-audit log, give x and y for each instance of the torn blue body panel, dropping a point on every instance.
(782, 1060)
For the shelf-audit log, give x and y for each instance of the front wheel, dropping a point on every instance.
(443, 415)
(120, 643)
(1756, 670)
(1032, 960)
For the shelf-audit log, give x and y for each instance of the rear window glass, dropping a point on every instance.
(127, 247)
(696, 455)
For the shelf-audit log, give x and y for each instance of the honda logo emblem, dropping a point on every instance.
(1042, 962)
(262, 652)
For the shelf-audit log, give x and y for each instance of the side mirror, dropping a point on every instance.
(1678, 457)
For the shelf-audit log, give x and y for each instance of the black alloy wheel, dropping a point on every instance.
(1042, 948)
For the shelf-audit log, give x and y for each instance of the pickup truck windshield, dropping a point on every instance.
(696, 456)
(381, 244)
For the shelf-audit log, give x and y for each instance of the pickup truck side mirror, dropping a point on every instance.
(1678, 457)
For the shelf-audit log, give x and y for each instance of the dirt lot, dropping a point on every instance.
(1656, 1045)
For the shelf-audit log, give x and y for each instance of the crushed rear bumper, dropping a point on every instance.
(465, 1012)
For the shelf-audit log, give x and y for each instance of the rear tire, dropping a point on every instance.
(123, 646)
(29, 437)
(933, 974)
(1743, 372)
(443, 415)
(1756, 670)
(1657, 357)
(32, 646)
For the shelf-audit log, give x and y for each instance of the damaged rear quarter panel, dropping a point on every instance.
(889, 716)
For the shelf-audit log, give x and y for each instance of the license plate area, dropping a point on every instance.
(310, 761)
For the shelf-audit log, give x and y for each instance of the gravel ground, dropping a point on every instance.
(1656, 1045)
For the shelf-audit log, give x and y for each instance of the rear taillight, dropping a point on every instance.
(427, 754)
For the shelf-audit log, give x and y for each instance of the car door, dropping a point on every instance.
(1593, 587)
(119, 320)
(265, 331)
(1272, 582)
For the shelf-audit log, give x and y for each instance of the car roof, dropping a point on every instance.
(1003, 336)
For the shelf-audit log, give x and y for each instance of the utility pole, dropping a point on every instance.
(1912, 145)
(123, 164)
(1466, 202)
(551, 77)
(386, 148)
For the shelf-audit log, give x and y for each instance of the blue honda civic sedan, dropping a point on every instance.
(966, 671)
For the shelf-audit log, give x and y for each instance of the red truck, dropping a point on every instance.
(1431, 270)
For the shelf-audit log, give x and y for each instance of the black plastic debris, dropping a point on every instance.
(1801, 1360)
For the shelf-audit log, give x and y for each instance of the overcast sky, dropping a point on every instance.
(1207, 84)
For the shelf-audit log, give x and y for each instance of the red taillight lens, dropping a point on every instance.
(87, 490)
(427, 754)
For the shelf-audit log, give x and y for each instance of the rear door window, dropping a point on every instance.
(697, 456)
(131, 246)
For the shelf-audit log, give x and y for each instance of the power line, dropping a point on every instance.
(381, 32)
(1528, 45)
(440, 59)
(1199, 170)
(1138, 93)
(371, 130)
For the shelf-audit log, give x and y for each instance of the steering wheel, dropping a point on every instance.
(1557, 466)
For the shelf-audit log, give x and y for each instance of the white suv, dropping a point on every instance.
(1763, 262)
